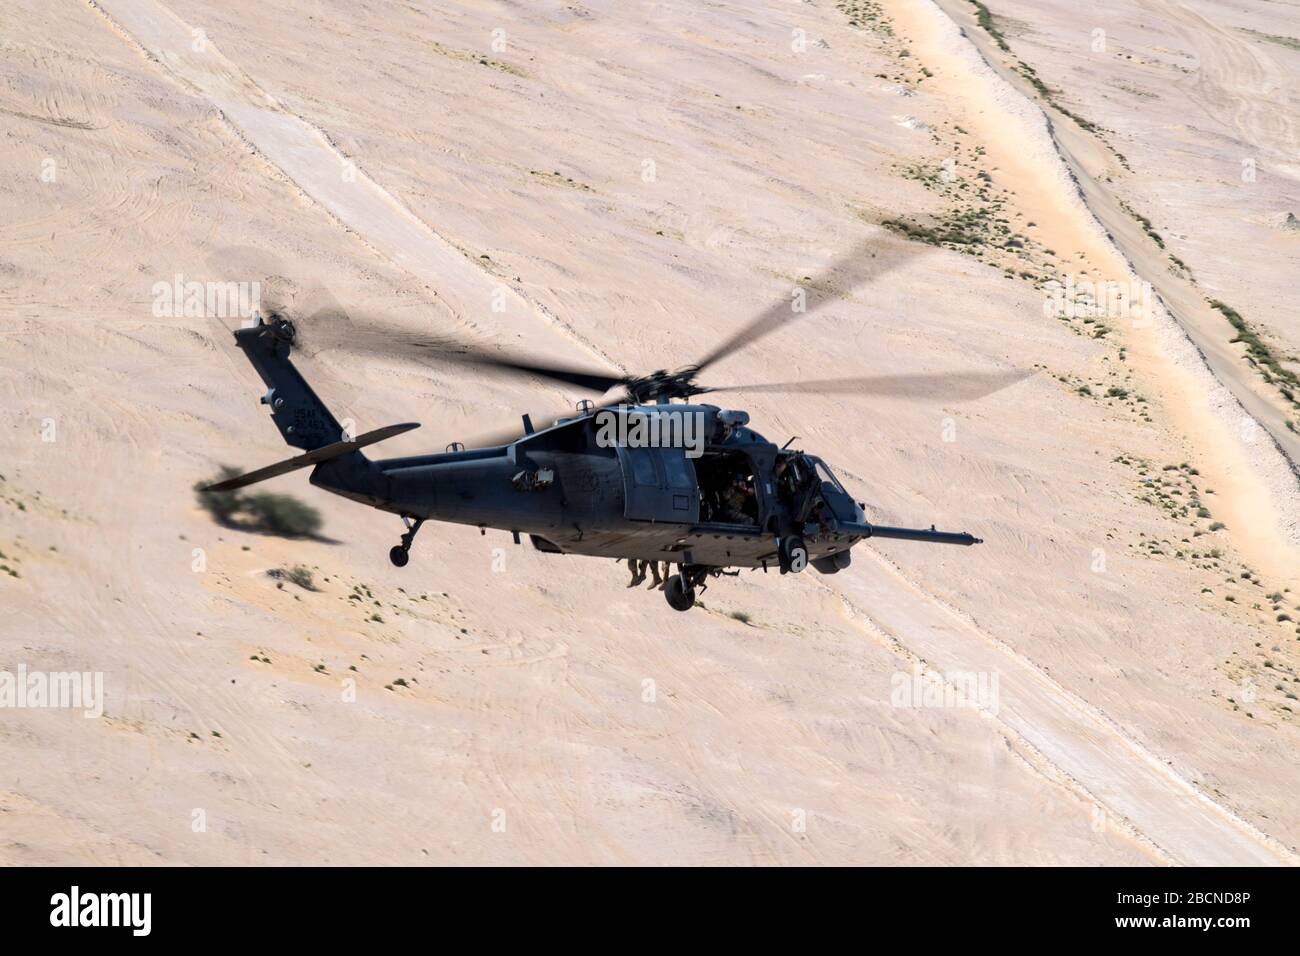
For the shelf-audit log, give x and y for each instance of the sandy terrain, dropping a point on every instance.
(628, 185)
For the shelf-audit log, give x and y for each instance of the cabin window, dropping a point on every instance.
(678, 468)
(643, 467)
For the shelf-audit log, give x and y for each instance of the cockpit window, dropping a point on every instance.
(825, 474)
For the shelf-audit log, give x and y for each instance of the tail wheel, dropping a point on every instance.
(680, 595)
(401, 553)
(793, 554)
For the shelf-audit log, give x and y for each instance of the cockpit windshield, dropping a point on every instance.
(825, 474)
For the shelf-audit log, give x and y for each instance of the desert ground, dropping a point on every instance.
(627, 184)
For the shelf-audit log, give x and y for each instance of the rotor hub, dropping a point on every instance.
(279, 326)
(663, 385)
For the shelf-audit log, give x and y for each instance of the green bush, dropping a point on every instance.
(299, 575)
(302, 577)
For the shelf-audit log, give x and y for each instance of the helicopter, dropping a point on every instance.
(651, 475)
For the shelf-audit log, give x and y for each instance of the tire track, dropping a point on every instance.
(1237, 84)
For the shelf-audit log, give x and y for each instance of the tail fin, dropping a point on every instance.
(301, 416)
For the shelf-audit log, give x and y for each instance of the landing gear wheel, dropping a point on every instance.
(399, 555)
(793, 554)
(680, 595)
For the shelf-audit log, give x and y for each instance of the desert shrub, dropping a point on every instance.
(302, 577)
(299, 575)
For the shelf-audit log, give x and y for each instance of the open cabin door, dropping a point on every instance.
(659, 484)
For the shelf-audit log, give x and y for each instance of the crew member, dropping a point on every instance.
(736, 504)
(638, 571)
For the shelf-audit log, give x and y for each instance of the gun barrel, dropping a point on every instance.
(912, 534)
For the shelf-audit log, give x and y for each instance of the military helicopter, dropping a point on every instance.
(647, 476)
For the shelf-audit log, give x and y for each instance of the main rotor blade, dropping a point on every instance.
(591, 379)
(334, 328)
(952, 387)
(322, 324)
(868, 260)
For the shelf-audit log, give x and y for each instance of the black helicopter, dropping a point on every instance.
(649, 476)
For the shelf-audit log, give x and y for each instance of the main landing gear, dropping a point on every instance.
(401, 553)
(792, 554)
(680, 588)
(680, 594)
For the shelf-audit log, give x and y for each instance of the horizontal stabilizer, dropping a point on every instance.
(314, 457)
(909, 534)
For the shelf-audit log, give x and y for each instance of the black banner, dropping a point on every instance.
(369, 905)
